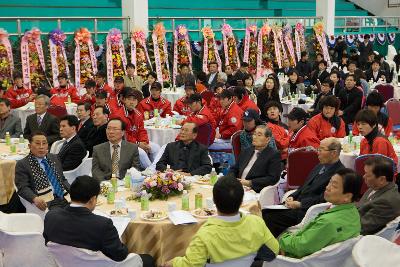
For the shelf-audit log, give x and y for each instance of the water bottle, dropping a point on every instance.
(8, 138)
(350, 137)
(185, 200)
(69, 99)
(213, 176)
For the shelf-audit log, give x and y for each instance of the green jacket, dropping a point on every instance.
(331, 226)
(219, 241)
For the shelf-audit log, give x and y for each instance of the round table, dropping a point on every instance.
(163, 240)
(162, 135)
(289, 105)
(171, 95)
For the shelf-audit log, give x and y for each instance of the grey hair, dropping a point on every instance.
(335, 145)
(223, 76)
(45, 98)
(267, 130)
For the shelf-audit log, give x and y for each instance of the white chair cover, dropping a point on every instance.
(55, 147)
(335, 255)
(245, 261)
(17, 222)
(30, 208)
(269, 196)
(311, 213)
(390, 229)
(373, 251)
(85, 168)
(67, 256)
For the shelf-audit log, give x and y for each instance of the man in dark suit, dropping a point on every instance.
(310, 193)
(237, 78)
(380, 204)
(365, 48)
(185, 76)
(85, 121)
(39, 176)
(98, 135)
(72, 151)
(350, 100)
(115, 156)
(321, 74)
(259, 165)
(42, 121)
(212, 75)
(375, 73)
(8, 122)
(77, 226)
(286, 67)
(186, 155)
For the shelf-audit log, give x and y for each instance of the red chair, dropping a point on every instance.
(300, 163)
(235, 141)
(359, 166)
(207, 96)
(204, 134)
(57, 111)
(393, 108)
(386, 90)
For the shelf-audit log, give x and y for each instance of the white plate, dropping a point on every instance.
(193, 212)
(153, 219)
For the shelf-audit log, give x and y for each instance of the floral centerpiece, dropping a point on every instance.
(182, 51)
(320, 41)
(85, 57)
(163, 185)
(230, 47)
(299, 40)
(288, 44)
(161, 53)
(58, 57)
(265, 57)
(139, 55)
(250, 48)
(280, 52)
(210, 50)
(6, 60)
(115, 56)
(32, 59)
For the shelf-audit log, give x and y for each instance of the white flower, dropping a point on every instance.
(153, 184)
(180, 187)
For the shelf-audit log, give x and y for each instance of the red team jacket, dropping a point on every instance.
(386, 131)
(182, 108)
(281, 136)
(247, 103)
(147, 104)
(302, 138)
(380, 145)
(60, 95)
(215, 107)
(322, 128)
(18, 97)
(135, 131)
(230, 120)
(201, 117)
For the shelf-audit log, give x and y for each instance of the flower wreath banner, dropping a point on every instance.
(161, 53)
(277, 33)
(139, 55)
(391, 37)
(287, 36)
(263, 54)
(85, 58)
(320, 36)
(115, 56)
(58, 57)
(299, 39)
(230, 47)
(182, 50)
(210, 51)
(6, 60)
(32, 67)
(250, 48)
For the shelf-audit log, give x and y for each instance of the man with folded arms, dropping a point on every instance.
(380, 204)
(338, 223)
(229, 235)
(77, 226)
(310, 193)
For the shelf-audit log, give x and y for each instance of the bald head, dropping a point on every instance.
(329, 150)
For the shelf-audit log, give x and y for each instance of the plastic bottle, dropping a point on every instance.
(8, 138)
(185, 200)
(213, 176)
(21, 139)
(69, 99)
(350, 137)
(144, 201)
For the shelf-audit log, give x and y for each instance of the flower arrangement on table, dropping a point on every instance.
(320, 44)
(288, 44)
(58, 57)
(299, 40)
(161, 53)
(6, 60)
(32, 59)
(115, 56)
(265, 48)
(210, 50)
(85, 57)
(230, 47)
(164, 185)
(139, 55)
(182, 51)
(250, 48)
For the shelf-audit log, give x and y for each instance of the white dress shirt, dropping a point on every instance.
(250, 164)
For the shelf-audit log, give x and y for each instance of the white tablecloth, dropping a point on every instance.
(289, 105)
(172, 95)
(161, 136)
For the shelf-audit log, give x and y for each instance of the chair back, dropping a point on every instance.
(235, 141)
(386, 90)
(85, 168)
(393, 107)
(67, 256)
(300, 163)
(311, 213)
(207, 96)
(245, 261)
(269, 196)
(54, 149)
(17, 222)
(57, 111)
(204, 134)
(390, 229)
(30, 208)
(372, 251)
(359, 166)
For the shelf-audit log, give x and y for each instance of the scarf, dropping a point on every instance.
(41, 181)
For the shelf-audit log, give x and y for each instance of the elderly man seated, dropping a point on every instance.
(259, 165)
(229, 235)
(39, 176)
(380, 204)
(310, 193)
(337, 224)
(186, 155)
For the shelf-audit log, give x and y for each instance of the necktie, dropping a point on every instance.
(39, 120)
(63, 146)
(80, 126)
(58, 191)
(115, 160)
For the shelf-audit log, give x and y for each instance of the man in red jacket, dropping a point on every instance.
(301, 135)
(18, 95)
(153, 102)
(243, 100)
(229, 121)
(180, 105)
(60, 94)
(90, 95)
(102, 85)
(113, 100)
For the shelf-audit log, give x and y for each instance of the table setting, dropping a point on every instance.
(163, 130)
(296, 100)
(173, 94)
